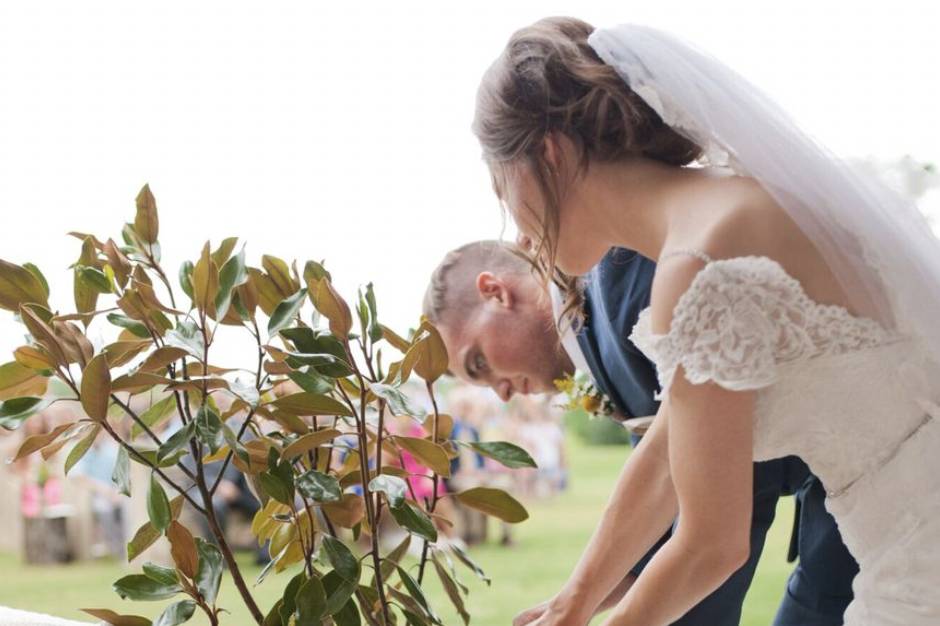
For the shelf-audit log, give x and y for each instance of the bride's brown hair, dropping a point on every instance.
(548, 80)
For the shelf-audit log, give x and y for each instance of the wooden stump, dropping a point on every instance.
(45, 537)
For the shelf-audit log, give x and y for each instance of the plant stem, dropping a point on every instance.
(434, 496)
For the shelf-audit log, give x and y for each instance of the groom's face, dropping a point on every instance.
(509, 342)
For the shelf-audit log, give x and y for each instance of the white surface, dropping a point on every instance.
(13, 617)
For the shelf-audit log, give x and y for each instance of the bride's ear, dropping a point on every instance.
(552, 152)
(492, 287)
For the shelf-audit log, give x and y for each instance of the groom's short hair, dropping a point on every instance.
(453, 290)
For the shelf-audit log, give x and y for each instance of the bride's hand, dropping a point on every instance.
(548, 613)
(529, 616)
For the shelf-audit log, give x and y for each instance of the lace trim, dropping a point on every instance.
(742, 317)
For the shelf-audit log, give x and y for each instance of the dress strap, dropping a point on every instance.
(698, 254)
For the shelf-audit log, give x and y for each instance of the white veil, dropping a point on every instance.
(877, 244)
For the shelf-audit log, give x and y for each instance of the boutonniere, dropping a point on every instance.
(583, 394)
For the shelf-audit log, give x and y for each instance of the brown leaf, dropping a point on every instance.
(118, 261)
(332, 306)
(19, 286)
(18, 381)
(309, 442)
(38, 442)
(146, 223)
(161, 357)
(205, 281)
(96, 387)
(183, 548)
(74, 342)
(279, 273)
(347, 512)
(33, 357)
(428, 453)
(123, 352)
(43, 334)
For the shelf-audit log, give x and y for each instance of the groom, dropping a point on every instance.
(498, 325)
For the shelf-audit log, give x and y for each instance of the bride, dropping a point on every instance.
(795, 310)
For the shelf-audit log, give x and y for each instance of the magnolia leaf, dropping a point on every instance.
(428, 453)
(176, 614)
(18, 286)
(305, 403)
(43, 333)
(17, 381)
(310, 602)
(209, 571)
(146, 223)
(470, 563)
(34, 358)
(451, 589)
(285, 311)
(147, 535)
(161, 574)
(509, 454)
(414, 520)
(398, 402)
(158, 505)
(342, 559)
(186, 335)
(123, 352)
(494, 502)
(35, 443)
(332, 306)
(121, 476)
(393, 487)
(205, 281)
(182, 548)
(279, 274)
(319, 487)
(221, 254)
(432, 358)
(176, 441)
(162, 357)
(347, 512)
(16, 410)
(96, 388)
(209, 428)
(116, 619)
(132, 325)
(186, 278)
(232, 274)
(81, 448)
(141, 587)
(308, 442)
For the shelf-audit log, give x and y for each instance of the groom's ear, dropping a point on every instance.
(493, 288)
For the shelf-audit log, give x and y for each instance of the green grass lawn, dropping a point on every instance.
(546, 548)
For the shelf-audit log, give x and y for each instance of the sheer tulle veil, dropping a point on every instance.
(877, 243)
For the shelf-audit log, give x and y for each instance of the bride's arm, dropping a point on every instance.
(640, 510)
(711, 462)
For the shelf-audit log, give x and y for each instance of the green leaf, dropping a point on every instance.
(209, 571)
(286, 310)
(177, 613)
(161, 574)
(232, 274)
(495, 502)
(16, 410)
(140, 587)
(509, 454)
(414, 520)
(397, 401)
(338, 591)
(209, 428)
(147, 535)
(414, 590)
(464, 558)
(132, 325)
(224, 251)
(32, 269)
(186, 278)
(342, 559)
(450, 587)
(186, 335)
(155, 415)
(348, 615)
(393, 487)
(277, 488)
(311, 382)
(320, 487)
(311, 603)
(94, 278)
(288, 606)
(158, 505)
(176, 441)
(121, 476)
(306, 403)
(81, 448)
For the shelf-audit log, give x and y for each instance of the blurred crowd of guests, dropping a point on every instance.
(89, 499)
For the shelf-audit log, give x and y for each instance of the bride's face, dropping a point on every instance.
(530, 207)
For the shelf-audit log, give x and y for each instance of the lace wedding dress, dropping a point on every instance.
(842, 392)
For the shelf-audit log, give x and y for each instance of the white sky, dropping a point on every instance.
(319, 131)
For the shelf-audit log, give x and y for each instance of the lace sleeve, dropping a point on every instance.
(721, 331)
